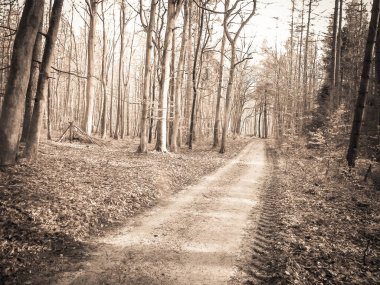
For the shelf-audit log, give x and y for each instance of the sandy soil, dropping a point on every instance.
(193, 237)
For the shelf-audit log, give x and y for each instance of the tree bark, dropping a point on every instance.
(232, 38)
(147, 75)
(90, 84)
(43, 83)
(32, 86)
(188, 89)
(305, 62)
(194, 75)
(334, 55)
(371, 123)
(174, 7)
(121, 69)
(48, 109)
(219, 93)
(338, 82)
(363, 88)
(177, 93)
(103, 125)
(18, 79)
(265, 118)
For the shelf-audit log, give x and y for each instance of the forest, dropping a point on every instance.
(126, 125)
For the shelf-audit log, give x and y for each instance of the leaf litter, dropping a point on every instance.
(319, 223)
(50, 211)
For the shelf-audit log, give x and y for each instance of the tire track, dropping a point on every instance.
(192, 238)
(262, 260)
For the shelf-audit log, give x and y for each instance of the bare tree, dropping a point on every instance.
(363, 88)
(219, 95)
(181, 69)
(90, 85)
(334, 54)
(43, 83)
(194, 75)
(174, 8)
(232, 38)
(121, 71)
(32, 86)
(147, 74)
(19, 73)
(103, 127)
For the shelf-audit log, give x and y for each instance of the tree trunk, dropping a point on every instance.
(228, 99)
(172, 13)
(300, 53)
(188, 89)
(177, 93)
(121, 69)
(103, 126)
(18, 79)
(338, 82)
(48, 109)
(194, 74)
(165, 78)
(90, 85)
(265, 118)
(371, 123)
(219, 93)
(153, 97)
(363, 88)
(305, 62)
(43, 83)
(32, 86)
(334, 55)
(147, 75)
(232, 38)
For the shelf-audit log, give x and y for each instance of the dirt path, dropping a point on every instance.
(193, 237)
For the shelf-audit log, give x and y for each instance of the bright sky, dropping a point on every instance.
(278, 13)
(272, 20)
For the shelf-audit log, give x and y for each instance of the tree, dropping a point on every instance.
(90, 83)
(334, 54)
(121, 69)
(32, 86)
(232, 38)
(19, 73)
(103, 127)
(43, 83)
(174, 8)
(219, 95)
(363, 88)
(306, 57)
(181, 70)
(194, 75)
(147, 74)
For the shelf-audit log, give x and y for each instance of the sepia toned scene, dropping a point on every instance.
(190, 142)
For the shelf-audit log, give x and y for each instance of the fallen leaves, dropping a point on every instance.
(333, 210)
(321, 221)
(50, 210)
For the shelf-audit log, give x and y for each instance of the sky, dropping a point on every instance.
(273, 19)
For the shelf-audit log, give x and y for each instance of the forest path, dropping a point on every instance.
(193, 237)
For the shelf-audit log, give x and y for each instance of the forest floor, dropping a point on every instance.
(308, 218)
(51, 210)
(193, 237)
(319, 221)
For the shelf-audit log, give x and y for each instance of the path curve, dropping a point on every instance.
(193, 237)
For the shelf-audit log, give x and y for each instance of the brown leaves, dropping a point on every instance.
(335, 212)
(74, 192)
